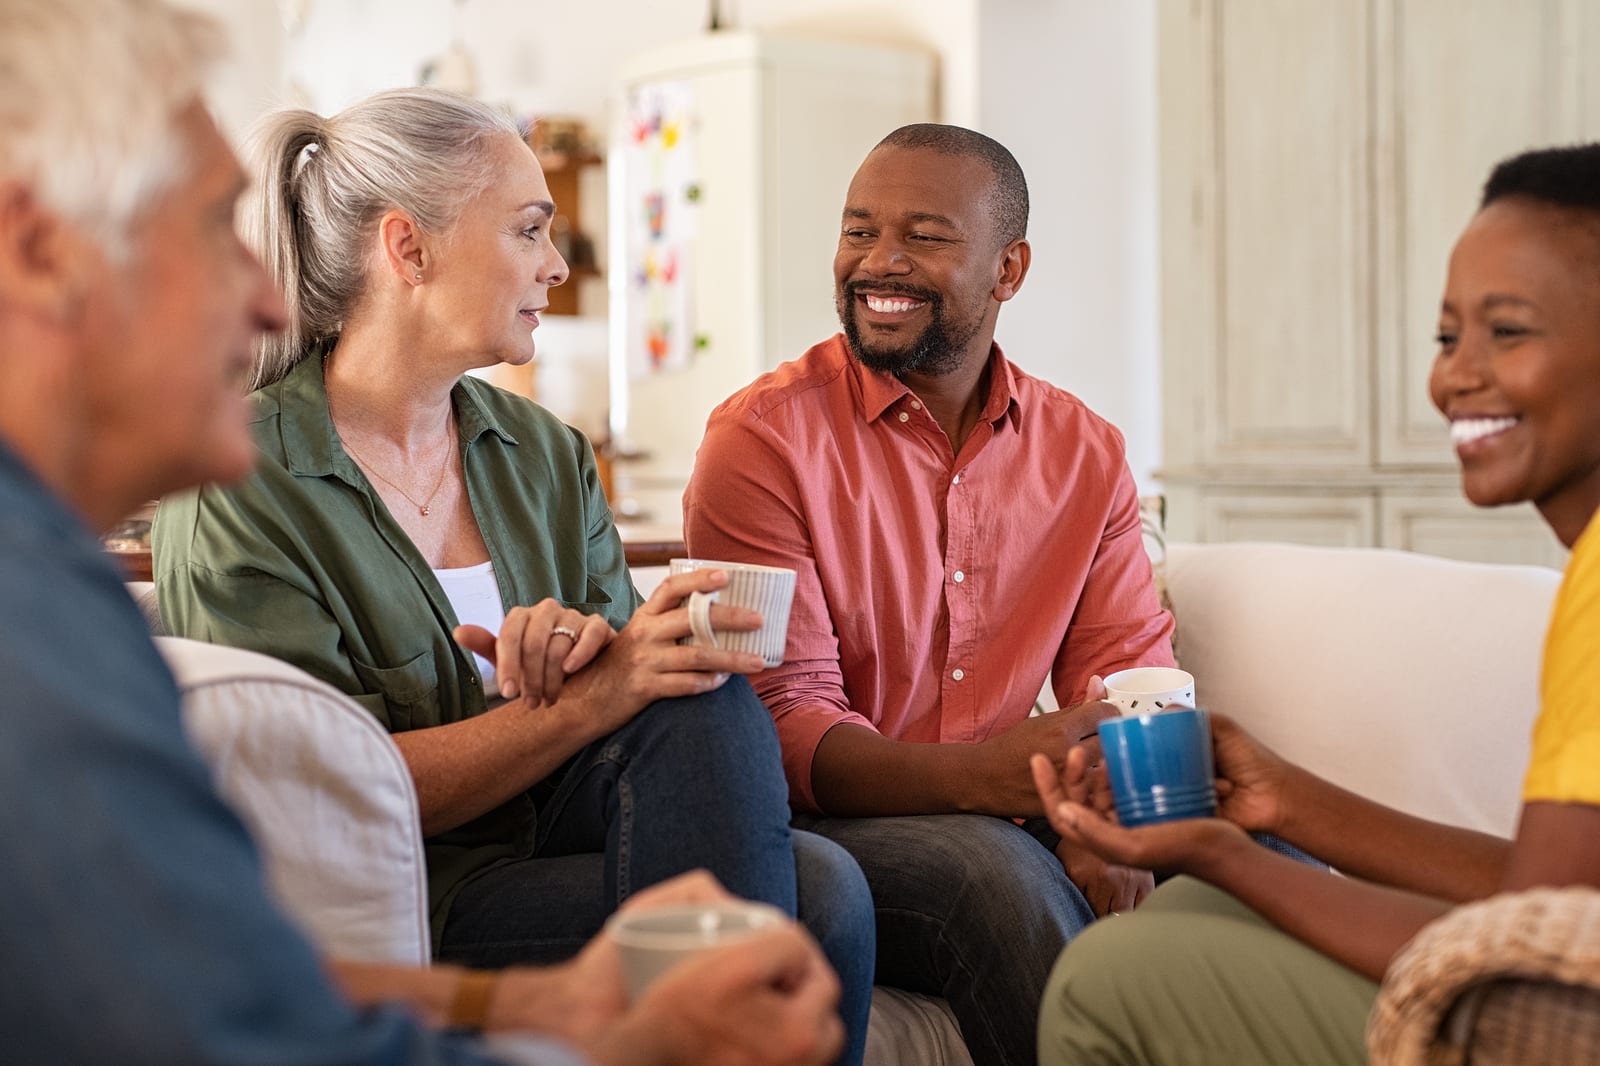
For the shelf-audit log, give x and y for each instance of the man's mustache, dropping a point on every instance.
(891, 288)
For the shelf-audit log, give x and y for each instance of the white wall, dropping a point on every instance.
(1070, 87)
(249, 81)
(559, 59)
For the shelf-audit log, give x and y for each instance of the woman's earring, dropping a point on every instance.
(417, 276)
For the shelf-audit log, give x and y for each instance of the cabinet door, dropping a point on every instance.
(1461, 86)
(1266, 230)
(1445, 524)
(1337, 520)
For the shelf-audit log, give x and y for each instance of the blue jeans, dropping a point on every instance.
(971, 908)
(689, 782)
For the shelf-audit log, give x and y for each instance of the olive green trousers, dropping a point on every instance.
(1193, 977)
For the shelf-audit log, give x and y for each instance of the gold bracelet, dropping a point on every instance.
(469, 1007)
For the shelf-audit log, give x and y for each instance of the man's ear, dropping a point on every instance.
(44, 259)
(1013, 268)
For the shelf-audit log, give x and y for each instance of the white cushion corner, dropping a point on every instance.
(323, 790)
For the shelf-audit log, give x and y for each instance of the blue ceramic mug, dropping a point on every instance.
(1160, 765)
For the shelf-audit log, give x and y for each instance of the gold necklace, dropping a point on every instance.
(423, 507)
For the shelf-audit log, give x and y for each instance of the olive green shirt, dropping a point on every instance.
(304, 562)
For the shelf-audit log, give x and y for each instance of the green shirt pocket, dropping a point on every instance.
(409, 693)
(596, 600)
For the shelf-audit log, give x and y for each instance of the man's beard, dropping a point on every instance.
(934, 352)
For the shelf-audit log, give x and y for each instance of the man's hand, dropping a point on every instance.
(770, 1000)
(580, 999)
(1107, 886)
(1009, 788)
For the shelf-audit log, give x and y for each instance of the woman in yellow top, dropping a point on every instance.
(1255, 958)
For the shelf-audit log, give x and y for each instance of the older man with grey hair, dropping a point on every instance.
(138, 929)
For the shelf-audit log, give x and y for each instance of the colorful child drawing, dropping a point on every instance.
(662, 190)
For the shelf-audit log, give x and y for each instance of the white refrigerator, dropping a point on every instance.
(730, 157)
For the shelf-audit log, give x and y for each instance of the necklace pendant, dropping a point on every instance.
(424, 512)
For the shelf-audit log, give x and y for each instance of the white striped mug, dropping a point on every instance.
(768, 590)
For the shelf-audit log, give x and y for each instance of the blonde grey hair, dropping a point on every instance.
(90, 91)
(321, 185)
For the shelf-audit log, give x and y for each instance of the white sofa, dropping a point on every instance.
(1407, 678)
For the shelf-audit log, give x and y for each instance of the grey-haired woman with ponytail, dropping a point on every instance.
(441, 551)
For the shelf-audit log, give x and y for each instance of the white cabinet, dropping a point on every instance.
(1443, 523)
(1331, 519)
(777, 128)
(1318, 162)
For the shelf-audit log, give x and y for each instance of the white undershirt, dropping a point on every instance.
(475, 596)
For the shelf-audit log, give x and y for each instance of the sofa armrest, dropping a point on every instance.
(323, 790)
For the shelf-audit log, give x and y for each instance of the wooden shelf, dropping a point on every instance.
(562, 172)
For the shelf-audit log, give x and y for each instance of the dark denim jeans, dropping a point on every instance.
(690, 782)
(971, 908)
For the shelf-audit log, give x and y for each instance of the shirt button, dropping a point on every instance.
(958, 673)
(956, 480)
(916, 405)
(960, 576)
(904, 417)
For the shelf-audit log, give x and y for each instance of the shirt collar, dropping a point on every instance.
(881, 391)
(41, 505)
(311, 445)
(1002, 402)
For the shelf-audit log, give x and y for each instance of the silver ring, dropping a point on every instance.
(564, 631)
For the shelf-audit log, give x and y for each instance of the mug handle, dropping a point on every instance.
(700, 618)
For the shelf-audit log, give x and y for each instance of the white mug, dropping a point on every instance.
(653, 941)
(768, 590)
(1149, 689)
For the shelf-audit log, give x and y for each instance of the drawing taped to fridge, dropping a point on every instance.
(663, 187)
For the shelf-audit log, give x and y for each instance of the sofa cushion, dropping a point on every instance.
(911, 1029)
(1409, 679)
(323, 790)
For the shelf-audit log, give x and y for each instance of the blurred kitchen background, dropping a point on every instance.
(1241, 210)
